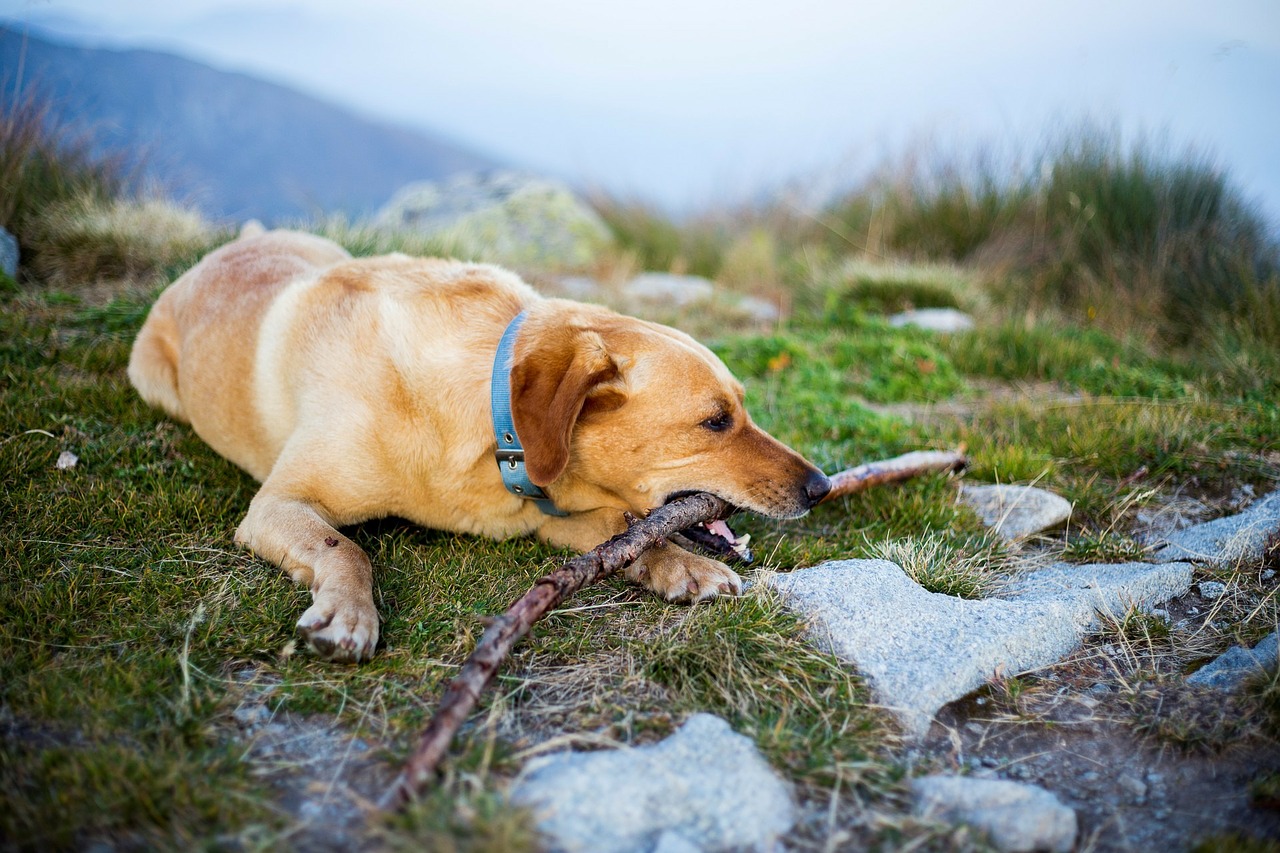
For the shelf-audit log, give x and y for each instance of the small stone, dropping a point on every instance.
(1016, 511)
(1267, 575)
(1015, 816)
(247, 716)
(1212, 590)
(941, 320)
(1132, 785)
(1237, 664)
(678, 290)
(1090, 776)
(66, 461)
(1100, 689)
(8, 254)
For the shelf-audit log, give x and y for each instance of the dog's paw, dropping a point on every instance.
(341, 625)
(678, 575)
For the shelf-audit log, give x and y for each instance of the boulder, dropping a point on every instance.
(1016, 511)
(501, 217)
(1015, 816)
(703, 788)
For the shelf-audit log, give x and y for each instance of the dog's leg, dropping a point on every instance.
(297, 535)
(666, 569)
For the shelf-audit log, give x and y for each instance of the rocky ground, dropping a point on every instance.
(1088, 744)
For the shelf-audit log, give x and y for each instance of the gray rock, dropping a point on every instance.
(1107, 589)
(1237, 664)
(920, 650)
(8, 254)
(1016, 511)
(677, 290)
(1014, 815)
(705, 787)
(943, 320)
(760, 310)
(1212, 590)
(503, 217)
(1225, 541)
(580, 287)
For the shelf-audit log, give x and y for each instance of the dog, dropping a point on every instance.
(453, 395)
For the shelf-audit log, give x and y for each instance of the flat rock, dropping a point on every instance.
(703, 788)
(1225, 541)
(1016, 511)
(677, 290)
(1014, 815)
(943, 320)
(1237, 664)
(1109, 589)
(920, 650)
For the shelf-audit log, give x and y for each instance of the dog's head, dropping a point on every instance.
(618, 412)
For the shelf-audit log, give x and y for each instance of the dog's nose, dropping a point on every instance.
(816, 488)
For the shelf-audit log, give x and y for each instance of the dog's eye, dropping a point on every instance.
(719, 423)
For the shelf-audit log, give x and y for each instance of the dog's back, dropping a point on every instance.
(201, 334)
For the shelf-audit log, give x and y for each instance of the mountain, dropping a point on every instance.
(230, 144)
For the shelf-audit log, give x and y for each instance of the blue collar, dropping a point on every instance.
(510, 453)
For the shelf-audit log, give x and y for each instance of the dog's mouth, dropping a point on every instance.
(714, 536)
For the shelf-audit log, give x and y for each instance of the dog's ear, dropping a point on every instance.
(550, 382)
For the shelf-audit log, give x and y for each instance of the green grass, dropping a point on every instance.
(127, 616)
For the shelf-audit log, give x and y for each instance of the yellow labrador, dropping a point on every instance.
(397, 386)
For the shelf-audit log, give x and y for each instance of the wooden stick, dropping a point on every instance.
(894, 470)
(505, 631)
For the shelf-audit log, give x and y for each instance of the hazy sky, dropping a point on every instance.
(689, 102)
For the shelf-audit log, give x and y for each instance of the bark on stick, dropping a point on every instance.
(505, 631)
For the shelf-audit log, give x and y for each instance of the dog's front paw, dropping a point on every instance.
(678, 575)
(341, 625)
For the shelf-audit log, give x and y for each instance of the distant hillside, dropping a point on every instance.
(233, 145)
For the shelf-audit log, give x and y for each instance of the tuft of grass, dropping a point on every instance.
(748, 662)
(968, 569)
(84, 239)
(1235, 842)
(658, 243)
(460, 815)
(363, 239)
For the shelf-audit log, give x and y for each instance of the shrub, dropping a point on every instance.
(42, 165)
(1134, 238)
(86, 238)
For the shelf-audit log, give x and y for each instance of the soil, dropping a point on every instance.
(1129, 792)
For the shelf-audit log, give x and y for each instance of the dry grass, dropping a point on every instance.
(85, 239)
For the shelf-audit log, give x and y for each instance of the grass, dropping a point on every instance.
(127, 618)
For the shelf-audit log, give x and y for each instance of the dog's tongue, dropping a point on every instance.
(717, 537)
